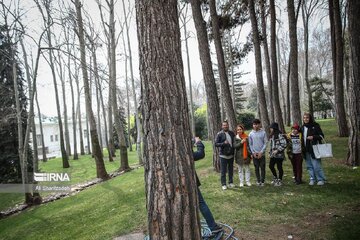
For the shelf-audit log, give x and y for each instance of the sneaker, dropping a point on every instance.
(258, 183)
(241, 184)
(274, 180)
(217, 229)
(320, 183)
(231, 185)
(311, 182)
(262, 184)
(278, 183)
(248, 184)
(224, 187)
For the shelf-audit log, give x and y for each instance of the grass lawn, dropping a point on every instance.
(117, 206)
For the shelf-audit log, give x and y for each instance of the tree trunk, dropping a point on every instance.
(213, 106)
(100, 166)
(191, 103)
(306, 18)
(353, 157)
(169, 168)
(127, 96)
(137, 117)
(44, 158)
(280, 80)
(78, 112)
(224, 81)
(259, 76)
(274, 68)
(66, 126)
(338, 62)
(268, 66)
(32, 122)
(75, 155)
(124, 163)
(294, 77)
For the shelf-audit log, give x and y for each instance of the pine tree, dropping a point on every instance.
(10, 170)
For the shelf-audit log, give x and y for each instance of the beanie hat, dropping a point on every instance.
(296, 126)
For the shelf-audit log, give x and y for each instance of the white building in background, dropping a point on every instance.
(52, 136)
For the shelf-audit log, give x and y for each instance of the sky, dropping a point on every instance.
(45, 88)
(32, 20)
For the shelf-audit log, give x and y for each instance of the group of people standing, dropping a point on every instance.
(243, 149)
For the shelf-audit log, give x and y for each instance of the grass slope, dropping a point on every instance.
(117, 207)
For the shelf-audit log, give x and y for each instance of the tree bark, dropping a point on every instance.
(124, 162)
(274, 68)
(171, 195)
(224, 81)
(268, 66)
(294, 76)
(353, 157)
(137, 117)
(75, 155)
(259, 77)
(338, 62)
(78, 112)
(44, 158)
(100, 166)
(191, 103)
(209, 80)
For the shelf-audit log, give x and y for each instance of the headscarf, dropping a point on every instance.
(244, 136)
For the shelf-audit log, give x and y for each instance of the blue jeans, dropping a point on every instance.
(226, 164)
(205, 211)
(314, 168)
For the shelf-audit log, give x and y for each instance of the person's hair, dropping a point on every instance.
(275, 133)
(311, 118)
(225, 121)
(256, 121)
(239, 126)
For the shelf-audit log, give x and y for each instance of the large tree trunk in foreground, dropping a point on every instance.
(169, 168)
(354, 84)
(213, 106)
(100, 166)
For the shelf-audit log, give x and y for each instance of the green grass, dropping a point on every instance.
(117, 207)
(80, 171)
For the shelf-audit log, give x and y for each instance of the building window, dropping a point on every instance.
(38, 140)
(51, 138)
(56, 138)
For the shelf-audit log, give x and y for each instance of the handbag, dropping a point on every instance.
(323, 150)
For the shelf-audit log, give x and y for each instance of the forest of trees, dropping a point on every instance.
(130, 69)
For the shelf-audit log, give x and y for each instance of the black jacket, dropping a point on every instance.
(199, 154)
(314, 130)
(225, 148)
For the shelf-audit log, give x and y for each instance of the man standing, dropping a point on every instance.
(224, 141)
(257, 145)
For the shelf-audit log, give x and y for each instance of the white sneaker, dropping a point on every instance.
(224, 187)
(248, 184)
(320, 183)
(231, 185)
(241, 184)
(311, 182)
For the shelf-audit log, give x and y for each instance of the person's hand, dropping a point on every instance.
(274, 152)
(310, 138)
(260, 155)
(197, 139)
(243, 140)
(226, 142)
